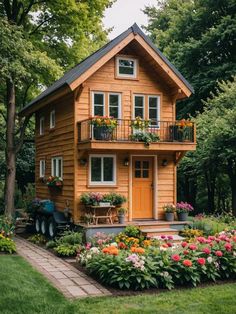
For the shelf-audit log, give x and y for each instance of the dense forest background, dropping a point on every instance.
(198, 37)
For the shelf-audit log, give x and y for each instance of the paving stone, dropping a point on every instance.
(66, 282)
(91, 289)
(58, 275)
(81, 281)
(76, 291)
(70, 273)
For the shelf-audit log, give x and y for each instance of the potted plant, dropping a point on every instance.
(114, 199)
(169, 210)
(121, 215)
(139, 125)
(182, 131)
(183, 209)
(54, 181)
(103, 128)
(146, 137)
(91, 199)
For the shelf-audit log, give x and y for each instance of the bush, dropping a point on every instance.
(70, 237)
(132, 231)
(7, 226)
(51, 244)
(211, 225)
(37, 239)
(7, 245)
(189, 233)
(66, 249)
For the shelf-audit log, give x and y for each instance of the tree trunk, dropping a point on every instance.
(10, 150)
(210, 182)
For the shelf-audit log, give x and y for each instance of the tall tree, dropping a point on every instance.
(199, 37)
(38, 39)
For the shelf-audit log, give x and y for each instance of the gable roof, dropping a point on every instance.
(84, 65)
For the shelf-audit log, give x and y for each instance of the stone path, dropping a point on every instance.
(66, 278)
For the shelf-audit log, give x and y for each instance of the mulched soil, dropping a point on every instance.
(117, 292)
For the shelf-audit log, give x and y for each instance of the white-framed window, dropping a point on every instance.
(41, 126)
(114, 105)
(154, 110)
(57, 167)
(102, 169)
(42, 168)
(139, 106)
(126, 67)
(52, 119)
(98, 104)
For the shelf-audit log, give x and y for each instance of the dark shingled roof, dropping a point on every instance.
(84, 65)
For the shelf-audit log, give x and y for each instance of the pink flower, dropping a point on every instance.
(201, 261)
(201, 239)
(206, 250)
(186, 252)
(176, 257)
(88, 246)
(170, 237)
(187, 263)
(212, 238)
(163, 237)
(192, 247)
(218, 253)
(228, 247)
(184, 244)
(169, 244)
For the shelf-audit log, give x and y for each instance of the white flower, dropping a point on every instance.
(113, 244)
(210, 259)
(94, 250)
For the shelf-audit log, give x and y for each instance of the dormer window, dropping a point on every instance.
(126, 67)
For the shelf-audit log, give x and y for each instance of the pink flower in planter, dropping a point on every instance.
(218, 253)
(206, 250)
(228, 247)
(176, 257)
(184, 244)
(201, 261)
(187, 263)
(192, 247)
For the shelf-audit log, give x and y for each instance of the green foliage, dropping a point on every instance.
(7, 226)
(146, 137)
(132, 231)
(115, 199)
(65, 249)
(51, 244)
(38, 239)
(190, 233)
(7, 245)
(70, 237)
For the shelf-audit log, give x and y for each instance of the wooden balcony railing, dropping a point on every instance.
(161, 131)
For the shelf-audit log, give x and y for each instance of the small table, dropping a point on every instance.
(107, 215)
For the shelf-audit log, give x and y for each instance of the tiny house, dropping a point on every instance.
(109, 125)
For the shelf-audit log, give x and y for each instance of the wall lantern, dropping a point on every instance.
(164, 162)
(126, 162)
(83, 161)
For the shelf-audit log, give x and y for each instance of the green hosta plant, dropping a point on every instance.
(66, 249)
(70, 237)
(7, 245)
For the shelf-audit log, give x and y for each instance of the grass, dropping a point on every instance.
(24, 290)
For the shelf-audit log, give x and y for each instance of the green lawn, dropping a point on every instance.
(24, 290)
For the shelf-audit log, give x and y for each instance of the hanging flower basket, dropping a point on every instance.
(54, 182)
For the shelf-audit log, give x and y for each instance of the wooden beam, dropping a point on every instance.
(179, 156)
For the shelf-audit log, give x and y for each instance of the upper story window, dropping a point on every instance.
(57, 167)
(98, 104)
(41, 125)
(139, 104)
(115, 105)
(52, 119)
(154, 109)
(126, 67)
(102, 169)
(42, 167)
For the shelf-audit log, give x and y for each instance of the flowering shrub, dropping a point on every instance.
(134, 263)
(108, 122)
(140, 124)
(169, 208)
(7, 245)
(93, 198)
(183, 207)
(189, 234)
(7, 226)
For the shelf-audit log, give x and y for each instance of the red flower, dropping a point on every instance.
(206, 250)
(187, 263)
(169, 244)
(228, 247)
(201, 261)
(176, 257)
(211, 238)
(186, 252)
(192, 247)
(184, 244)
(218, 253)
(121, 245)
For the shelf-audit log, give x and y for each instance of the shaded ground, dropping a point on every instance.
(24, 290)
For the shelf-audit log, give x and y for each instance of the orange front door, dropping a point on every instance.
(142, 189)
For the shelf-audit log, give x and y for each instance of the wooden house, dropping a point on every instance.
(127, 78)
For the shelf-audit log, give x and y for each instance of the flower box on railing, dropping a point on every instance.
(54, 182)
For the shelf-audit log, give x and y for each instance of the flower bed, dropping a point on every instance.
(7, 245)
(137, 263)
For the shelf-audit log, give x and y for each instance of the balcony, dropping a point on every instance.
(156, 135)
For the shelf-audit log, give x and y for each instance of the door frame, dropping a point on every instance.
(155, 178)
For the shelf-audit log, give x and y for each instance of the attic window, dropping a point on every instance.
(126, 67)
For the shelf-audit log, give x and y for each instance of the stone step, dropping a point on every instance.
(151, 232)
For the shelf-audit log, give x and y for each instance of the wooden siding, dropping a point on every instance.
(58, 141)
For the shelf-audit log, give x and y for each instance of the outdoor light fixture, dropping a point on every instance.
(126, 162)
(83, 161)
(164, 162)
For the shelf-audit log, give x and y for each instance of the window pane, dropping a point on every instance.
(137, 173)
(59, 168)
(137, 164)
(153, 114)
(139, 101)
(152, 102)
(54, 173)
(114, 100)
(98, 99)
(96, 169)
(146, 164)
(98, 111)
(138, 112)
(145, 173)
(114, 112)
(108, 169)
(126, 67)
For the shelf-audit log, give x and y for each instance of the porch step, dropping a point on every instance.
(151, 232)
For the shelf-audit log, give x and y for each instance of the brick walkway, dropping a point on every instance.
(66, 278)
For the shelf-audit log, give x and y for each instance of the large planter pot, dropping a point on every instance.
(169, 216)
(182, 216)
(102, 133)
(121, 219)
